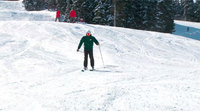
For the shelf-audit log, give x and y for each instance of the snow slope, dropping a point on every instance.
(193, 32)
(145, 71)
(14, 10)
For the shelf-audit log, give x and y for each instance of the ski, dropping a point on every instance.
(92, 70)
(83, 70)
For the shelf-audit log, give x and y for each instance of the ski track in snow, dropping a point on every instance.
(40, 69)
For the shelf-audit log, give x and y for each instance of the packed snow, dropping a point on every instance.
(188, 29)
(14, 10)
(40, 69)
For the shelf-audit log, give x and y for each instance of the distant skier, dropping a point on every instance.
(72, 16)
(88, 41)
(57, 15)
(188, 29)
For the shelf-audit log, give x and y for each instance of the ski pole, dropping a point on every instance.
(101, 56)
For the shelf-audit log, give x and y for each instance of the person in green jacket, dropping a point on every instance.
(88, 41)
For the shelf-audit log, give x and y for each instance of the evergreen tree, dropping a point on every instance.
(129, 14)
(188, 9)
(84, 9)
(149, 22)
(31, 5)
(196, 12)
(140, 13)
(165, 17)
(123, 10)
(178, 8)
(66, 8)
(62, 5)
(103, 13)
(51, 4)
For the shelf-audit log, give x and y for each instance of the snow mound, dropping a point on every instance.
(188, 29)
(11, 5)
(14, 11)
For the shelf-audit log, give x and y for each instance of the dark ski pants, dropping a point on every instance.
(72, 20)
(57, 19)
(90, 53)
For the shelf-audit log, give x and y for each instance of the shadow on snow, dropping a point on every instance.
(186, 31)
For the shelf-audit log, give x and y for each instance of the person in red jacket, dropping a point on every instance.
(72, 16)
(58, 16)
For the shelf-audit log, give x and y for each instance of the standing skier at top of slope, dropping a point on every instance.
(72, 16)
(57, 16)
(88, 41)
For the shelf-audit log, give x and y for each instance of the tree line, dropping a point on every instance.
(153, 15)
(187, 10)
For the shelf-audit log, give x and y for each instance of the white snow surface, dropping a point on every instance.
(14, 10)
(40, 69)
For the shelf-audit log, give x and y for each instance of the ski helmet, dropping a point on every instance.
(88, 32)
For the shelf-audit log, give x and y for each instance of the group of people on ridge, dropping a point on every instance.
(72, 16)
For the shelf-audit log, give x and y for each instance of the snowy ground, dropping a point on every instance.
(193, 32)
(13, 10)
(145, 71)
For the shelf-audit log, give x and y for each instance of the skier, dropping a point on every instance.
(188, 29)
(88, 41)
(72, 16)
(58, 16)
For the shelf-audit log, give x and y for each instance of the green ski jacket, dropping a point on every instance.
(88, 42)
